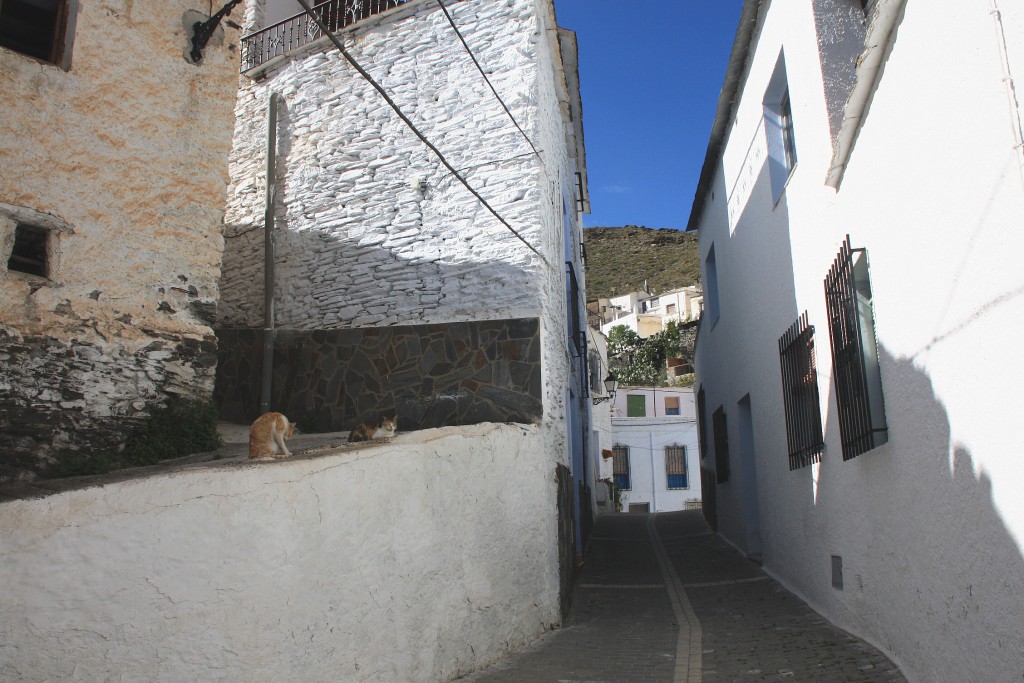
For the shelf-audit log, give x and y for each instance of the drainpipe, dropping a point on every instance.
(268, 259)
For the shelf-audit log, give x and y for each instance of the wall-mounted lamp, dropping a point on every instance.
(610, 385)
(202, 31)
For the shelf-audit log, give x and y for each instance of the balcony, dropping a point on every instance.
(294, 32)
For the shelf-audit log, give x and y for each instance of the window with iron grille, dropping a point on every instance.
(675, 467)
(720, 432)
(855, 368)
(800, 394)
(38, 28)
(620, 467)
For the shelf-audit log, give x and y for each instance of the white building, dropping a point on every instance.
(393, 291)
(654, 460)
(648, 314)
(859, 213)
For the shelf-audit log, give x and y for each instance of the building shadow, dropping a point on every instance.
(928, 552)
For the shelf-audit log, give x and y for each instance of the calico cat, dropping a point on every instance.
(367, 431)
(267, 435)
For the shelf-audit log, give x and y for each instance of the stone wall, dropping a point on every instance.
(122, 158)
(427, 375)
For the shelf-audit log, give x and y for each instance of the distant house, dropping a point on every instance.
(654, 460)
(114, 149)
(859, 213)
(648, 314)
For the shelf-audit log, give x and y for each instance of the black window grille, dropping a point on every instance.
(720, 431)
(675, 467)
(855, 367)
(29, 254)
(800, 394)
(620, 467)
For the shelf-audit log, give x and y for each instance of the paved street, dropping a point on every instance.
(661, 598)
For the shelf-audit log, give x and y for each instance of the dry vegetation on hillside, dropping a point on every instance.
(620, 259)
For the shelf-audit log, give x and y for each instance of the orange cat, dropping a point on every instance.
(367, 431)
(267, 435)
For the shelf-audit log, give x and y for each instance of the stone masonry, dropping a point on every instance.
(122, 160)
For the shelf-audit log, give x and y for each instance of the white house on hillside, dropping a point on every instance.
(859, 363)
(648, 314)
(654, 460)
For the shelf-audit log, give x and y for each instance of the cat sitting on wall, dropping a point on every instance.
(367, 431)
(267, 435)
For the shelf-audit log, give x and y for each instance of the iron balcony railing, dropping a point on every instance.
(294, 32)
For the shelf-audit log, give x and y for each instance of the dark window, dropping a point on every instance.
(675, 467)
(778, 129)
(720, 431)
(800, 394)
(855, 367)
(620, 467)
(36, 28)
(636, 405)
(29, 254)
(788, 137)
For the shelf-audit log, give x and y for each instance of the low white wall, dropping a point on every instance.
(409, 561)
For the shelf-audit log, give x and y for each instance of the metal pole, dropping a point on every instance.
(268, 260)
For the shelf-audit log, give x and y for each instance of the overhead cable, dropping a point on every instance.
(482, 73)
(405, 119)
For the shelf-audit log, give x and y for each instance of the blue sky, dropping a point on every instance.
(650, 72)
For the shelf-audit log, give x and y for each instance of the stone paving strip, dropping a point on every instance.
(661, 598)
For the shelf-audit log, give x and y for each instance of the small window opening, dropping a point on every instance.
(35, 28)
(29, 254)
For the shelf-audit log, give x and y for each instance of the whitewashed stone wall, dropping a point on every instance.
(304, 569)
(124, 157)
(372, 230)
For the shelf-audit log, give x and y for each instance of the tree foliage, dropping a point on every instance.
(642, 362)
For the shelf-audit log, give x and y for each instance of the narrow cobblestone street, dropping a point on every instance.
(661, 598)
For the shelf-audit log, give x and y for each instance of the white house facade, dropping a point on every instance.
(859, 388)
(654, 459)
(648, 314)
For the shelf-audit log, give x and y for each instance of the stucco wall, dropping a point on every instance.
(929, 526)
(124, 157)
(414, 560)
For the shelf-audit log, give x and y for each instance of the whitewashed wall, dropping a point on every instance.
(646, 439)
(930, 526)
(372, 229)
(358, 244)
(375, 564)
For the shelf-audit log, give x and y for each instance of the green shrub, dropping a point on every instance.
(181, 427)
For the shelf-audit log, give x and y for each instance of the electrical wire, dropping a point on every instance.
(405, 119)
(488, 80)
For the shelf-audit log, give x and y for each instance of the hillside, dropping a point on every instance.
(620, 259)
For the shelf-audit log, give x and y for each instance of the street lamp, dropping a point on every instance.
(610, 385)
